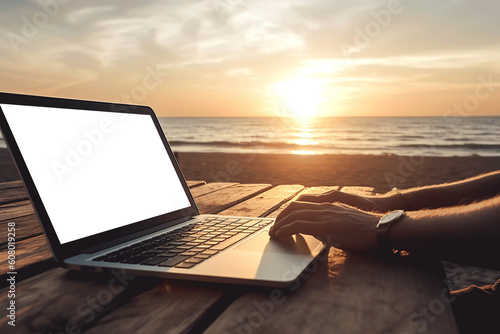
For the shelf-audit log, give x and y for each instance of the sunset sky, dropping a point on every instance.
(257, 57)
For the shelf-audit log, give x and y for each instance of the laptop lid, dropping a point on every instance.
(95, 172)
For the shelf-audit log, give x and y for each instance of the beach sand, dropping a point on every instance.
(383, 172)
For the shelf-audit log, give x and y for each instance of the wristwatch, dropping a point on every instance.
(383, 226)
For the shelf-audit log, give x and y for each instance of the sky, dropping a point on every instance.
(258, 57)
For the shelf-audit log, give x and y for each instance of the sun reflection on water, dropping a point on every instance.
(305, 142)
(305, 135)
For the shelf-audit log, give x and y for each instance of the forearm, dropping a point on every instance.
(468, 233)
(449, 194)
(429, 197)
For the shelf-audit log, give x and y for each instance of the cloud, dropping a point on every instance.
(245, 45)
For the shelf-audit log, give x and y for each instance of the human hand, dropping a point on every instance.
(366, 203)
(335, 224)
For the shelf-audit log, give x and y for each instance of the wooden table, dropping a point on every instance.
(340, 293)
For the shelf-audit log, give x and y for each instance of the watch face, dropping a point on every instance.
(383, 227)
(390, 217)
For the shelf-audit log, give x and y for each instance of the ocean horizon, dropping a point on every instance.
(418, 136)
(423, 136)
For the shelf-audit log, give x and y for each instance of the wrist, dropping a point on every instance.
(384, 226)
(401, 199)
(390, 201)
(405, 234)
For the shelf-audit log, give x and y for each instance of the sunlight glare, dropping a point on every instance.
(301, 97)
(305, 142)
(304, 152)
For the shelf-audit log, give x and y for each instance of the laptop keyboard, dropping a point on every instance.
(189, 245)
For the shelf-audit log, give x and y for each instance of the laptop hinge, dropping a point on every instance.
(133, 236)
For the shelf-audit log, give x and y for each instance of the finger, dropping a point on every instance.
(324, 197)
(296, 212)
(340, 196)
(294, 206)
(309, 198)
(329, 193)
(299, 226)
(313, 198)
(358, 201)
(339, 207)
(283, 220)
(296, 215)
(342, 206)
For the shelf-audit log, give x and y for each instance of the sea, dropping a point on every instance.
(423, 136)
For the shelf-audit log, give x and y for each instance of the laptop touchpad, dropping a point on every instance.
(298, 244)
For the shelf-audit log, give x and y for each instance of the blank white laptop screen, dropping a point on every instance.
(95, 171)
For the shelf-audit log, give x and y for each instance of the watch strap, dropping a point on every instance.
(384, 225)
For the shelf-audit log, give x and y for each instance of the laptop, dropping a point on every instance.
(110, 195)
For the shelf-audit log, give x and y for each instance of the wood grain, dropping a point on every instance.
(26, 227)
(57, 300)
(28, 251)
(263, 204)
(220, 200)
(11, 184)
(345, 294)
(11, 211)
(358, 190)
(194, 184)
(307, 191)
(15, 206)
(12, 192)
(170, 307)
(210, 188)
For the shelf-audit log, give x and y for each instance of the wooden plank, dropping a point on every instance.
(13, 193)
(26, 227)
(345, 293)
(28, 251)
(263, 204)
(194, 184)
(11, 184)
(21, 213)
(218, 201)
(176, 313)
(359, 190)
(15, 210)
(171, 307)
(210, 188)
(59, 301)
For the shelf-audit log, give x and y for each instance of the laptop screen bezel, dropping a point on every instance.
(66, 250)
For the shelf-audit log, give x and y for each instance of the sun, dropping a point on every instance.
(300, 97)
